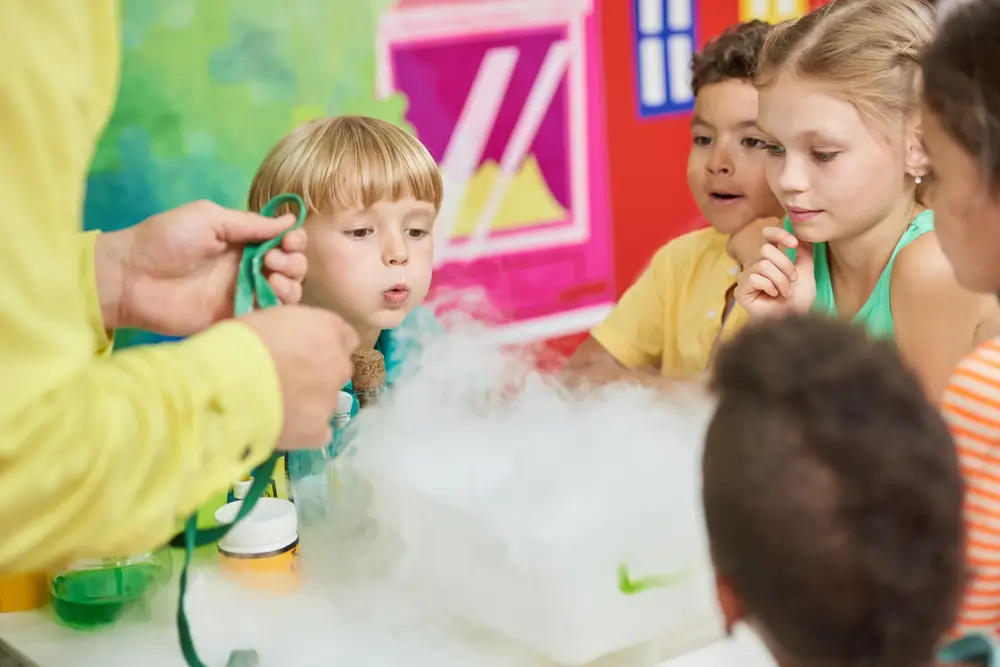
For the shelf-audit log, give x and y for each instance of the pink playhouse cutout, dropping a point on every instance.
(506, 95)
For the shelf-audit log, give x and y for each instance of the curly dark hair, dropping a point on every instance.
(731, 55)
(962, 81)
(832, 496)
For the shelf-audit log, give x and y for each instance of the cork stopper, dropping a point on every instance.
(369, 371)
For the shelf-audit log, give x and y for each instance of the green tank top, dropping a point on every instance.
(876, 313)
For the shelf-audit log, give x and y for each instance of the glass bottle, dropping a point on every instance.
(96, 592)
(368, 381)
(352, 494)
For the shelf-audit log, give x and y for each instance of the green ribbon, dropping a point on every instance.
(252, 291)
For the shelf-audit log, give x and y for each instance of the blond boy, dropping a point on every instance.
(372, 193)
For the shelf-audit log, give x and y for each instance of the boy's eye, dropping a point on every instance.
(417, 233)
(753, 142)
(361, 233)
(824, 156)
(701, 140)
(775, 149)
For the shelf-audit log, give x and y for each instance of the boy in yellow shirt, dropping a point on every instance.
(668, 323)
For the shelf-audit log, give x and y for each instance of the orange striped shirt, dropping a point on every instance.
(971, 406)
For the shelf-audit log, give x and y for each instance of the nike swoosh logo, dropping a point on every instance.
(630, 586)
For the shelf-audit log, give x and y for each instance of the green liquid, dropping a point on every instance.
(91, 598)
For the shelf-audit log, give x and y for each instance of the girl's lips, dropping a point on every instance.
(799, 215)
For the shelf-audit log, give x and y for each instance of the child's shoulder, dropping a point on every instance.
(691, 249)
(921, 268)
(920, 241)
(984, 360)
(973, 385)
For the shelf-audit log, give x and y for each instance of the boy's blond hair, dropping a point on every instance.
(347, 162)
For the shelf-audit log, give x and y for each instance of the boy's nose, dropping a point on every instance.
(720, 163)
(395, 253)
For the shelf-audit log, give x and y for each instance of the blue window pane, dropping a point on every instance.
(664, 34)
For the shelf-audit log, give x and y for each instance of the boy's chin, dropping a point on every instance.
(389, 319)
(729, 225)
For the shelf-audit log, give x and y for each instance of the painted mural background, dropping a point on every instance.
(208, 86)
(561, 125)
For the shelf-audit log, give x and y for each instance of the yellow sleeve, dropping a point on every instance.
(97, 456)
(634, 333)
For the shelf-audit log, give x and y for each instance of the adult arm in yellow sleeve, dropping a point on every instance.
(629, 343)
(103, 337)
(97, 456)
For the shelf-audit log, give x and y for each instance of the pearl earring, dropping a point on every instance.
(917, 180)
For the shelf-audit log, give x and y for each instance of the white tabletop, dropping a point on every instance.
(358, 625)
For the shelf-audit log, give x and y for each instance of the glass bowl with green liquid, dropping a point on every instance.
(95, 593)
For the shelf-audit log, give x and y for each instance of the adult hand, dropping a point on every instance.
(312, 350)
(175, 273)
(773, 285)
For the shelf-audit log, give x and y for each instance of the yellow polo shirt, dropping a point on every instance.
(670, 318)
(99, 455)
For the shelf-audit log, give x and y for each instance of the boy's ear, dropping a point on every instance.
(733, 610)
(917, 162)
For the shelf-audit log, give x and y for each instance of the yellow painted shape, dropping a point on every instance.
(772, 11)
(527, 201)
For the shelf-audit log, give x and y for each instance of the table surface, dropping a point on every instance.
(32, 633)
(355, 624)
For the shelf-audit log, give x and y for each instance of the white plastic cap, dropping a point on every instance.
(271, 525)
(344, 403)
(240, 489)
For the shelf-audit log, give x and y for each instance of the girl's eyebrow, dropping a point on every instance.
(812, 136)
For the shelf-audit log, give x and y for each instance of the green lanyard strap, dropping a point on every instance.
(252, 291)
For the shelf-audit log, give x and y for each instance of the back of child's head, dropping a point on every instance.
(832, 497)
(866, 51)
(345, 163)
(962, 81)
(730, 56)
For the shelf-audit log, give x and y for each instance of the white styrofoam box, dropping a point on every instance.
(532, 551)
(563, 604)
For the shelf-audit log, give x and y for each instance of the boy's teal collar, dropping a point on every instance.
(973, 649)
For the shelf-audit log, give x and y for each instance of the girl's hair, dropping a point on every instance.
(867, 50)
(347, 161)
(962, 82)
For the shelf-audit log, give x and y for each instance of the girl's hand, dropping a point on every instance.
(773, 285)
